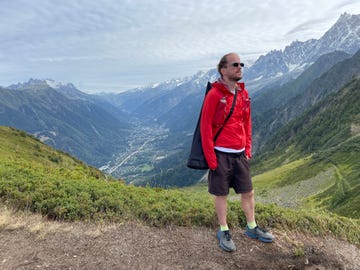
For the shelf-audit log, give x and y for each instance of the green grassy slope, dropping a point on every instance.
(318, 155)
(37, 178)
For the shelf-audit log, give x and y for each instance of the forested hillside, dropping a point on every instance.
(73, 124)
(293, 100)
(327, 139)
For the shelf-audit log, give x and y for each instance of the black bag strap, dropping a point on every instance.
(228, 116)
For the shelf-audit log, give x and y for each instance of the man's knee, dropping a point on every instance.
(248, 195)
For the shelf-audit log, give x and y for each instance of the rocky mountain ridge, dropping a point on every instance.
(344, 36)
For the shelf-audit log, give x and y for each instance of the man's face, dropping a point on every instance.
(233, 69)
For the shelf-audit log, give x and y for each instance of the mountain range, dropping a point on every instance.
(65, 118)
(292, 99)
(144, 135)
(177, 108)
(343, 36)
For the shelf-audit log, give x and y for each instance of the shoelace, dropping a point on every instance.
(227, 236)
(261, 229)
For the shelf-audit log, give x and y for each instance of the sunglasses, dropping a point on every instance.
(237, 64)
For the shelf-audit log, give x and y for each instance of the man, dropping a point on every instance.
(228, 157)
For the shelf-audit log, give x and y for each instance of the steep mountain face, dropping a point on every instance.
(75, 125)
(330, 122)
(267, 123)
(271, 65)
(344, 35)
(328, 135)
(273, 97)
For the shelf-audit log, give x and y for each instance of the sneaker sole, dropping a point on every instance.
(262, 239)
(226, 249)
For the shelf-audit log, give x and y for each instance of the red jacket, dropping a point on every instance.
(236, 133)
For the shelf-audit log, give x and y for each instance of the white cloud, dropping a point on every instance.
(102, 43)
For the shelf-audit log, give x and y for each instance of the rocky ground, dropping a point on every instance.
(30, 242)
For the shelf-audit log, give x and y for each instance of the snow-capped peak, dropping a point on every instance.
(53, 84)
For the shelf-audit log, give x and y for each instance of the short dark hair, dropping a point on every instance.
(223, 62)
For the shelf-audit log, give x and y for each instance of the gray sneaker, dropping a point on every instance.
(225, 241)
(261, 234)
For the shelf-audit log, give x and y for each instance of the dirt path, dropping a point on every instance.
(32, 243)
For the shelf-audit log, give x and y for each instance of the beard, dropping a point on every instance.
(235, 77)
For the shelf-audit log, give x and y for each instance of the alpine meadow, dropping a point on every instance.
(120, 159)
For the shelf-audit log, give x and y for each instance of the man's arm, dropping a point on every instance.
(248, 128)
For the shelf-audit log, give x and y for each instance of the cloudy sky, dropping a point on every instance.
(115, 45)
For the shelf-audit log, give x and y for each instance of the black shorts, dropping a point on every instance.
(233, 171)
